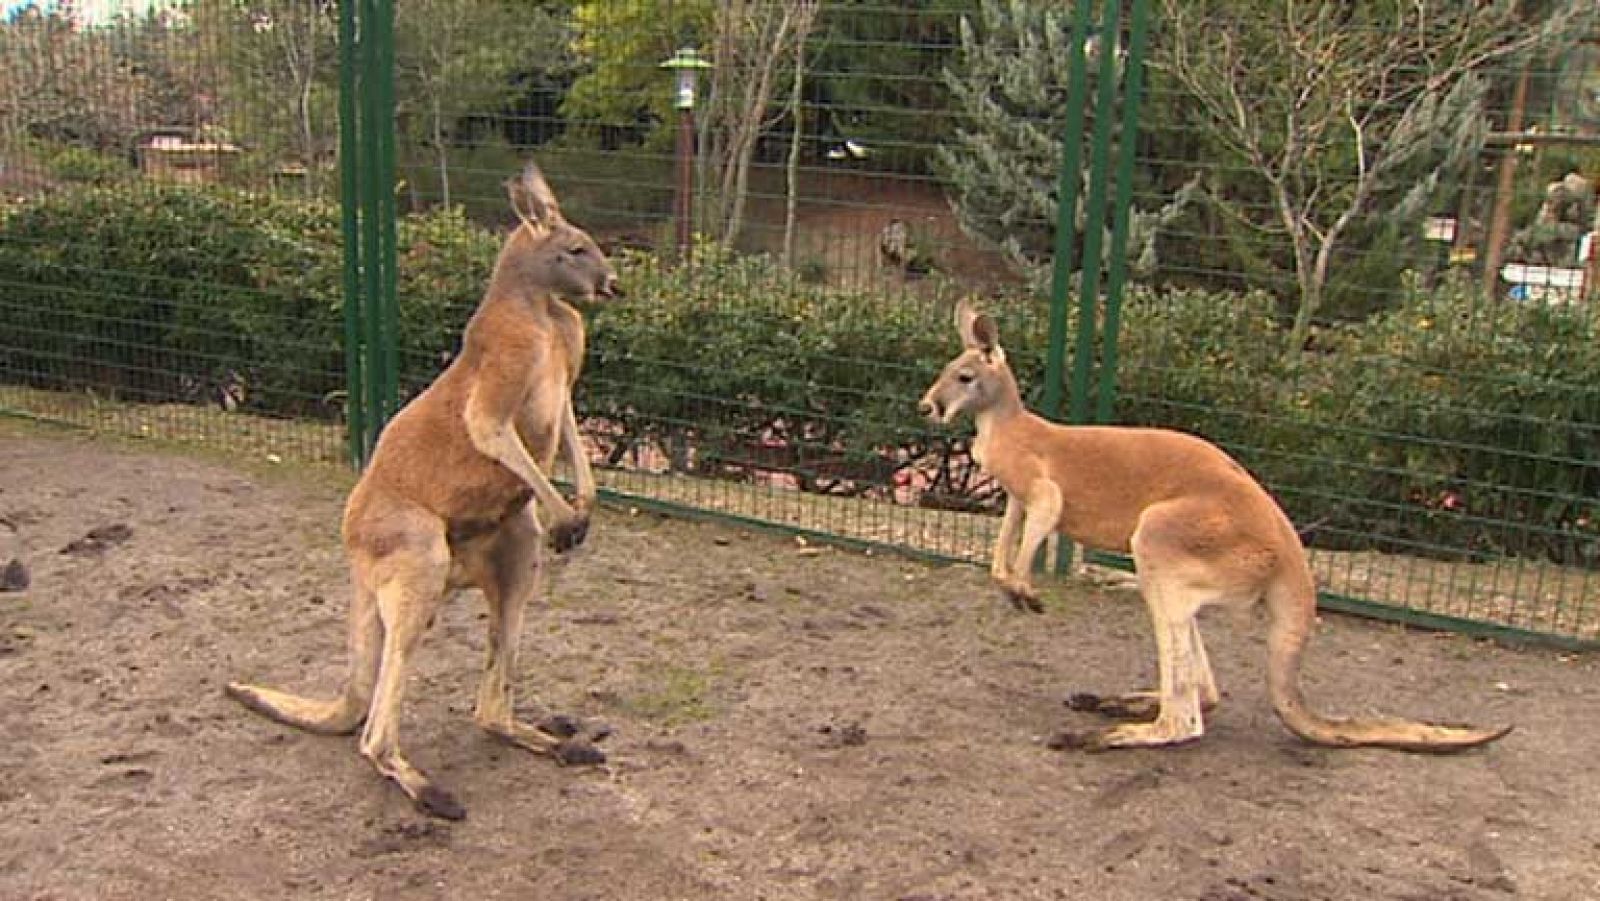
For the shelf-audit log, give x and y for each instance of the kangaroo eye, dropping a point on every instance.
(965, 378)
(578, 251)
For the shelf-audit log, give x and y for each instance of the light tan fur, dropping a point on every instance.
(1201, 530)
(456, 495)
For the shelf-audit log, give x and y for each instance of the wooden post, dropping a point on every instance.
(1500, 220)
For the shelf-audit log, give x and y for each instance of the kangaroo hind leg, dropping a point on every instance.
(409, 585)
(509, 580)
(1144, 706)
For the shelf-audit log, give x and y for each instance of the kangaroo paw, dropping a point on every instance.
(570, 533)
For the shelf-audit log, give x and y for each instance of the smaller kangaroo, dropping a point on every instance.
(448, 500)
(1202, 531)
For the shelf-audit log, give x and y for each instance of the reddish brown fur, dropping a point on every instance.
(1201, 530)
(456, 494)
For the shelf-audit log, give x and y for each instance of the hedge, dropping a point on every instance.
(1442, 424)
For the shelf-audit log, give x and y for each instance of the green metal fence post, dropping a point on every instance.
(371, 274)
(1066, 236)
(1066, 215)
(1122, 206)
(367, 165)
(1094, 215)
(349, 193)
(380, 132)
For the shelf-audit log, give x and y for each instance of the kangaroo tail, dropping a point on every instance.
(340, 715)
(1291, 605)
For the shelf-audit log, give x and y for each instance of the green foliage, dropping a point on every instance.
(1324, 117)
(905, 48)
(737, 354)
(444, 264)
(60, 83)
(456, 58)
(156, 291)
(1505, 399)
(1444, 425)
(620, 44)
(1004, 163)
(80, 165)
(161, 293)
(278, 84)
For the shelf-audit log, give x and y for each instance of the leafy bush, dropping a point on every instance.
(1446, 425)
(163, 292)
(735, 363)
(79, 165)
(1482, 420)
(156, 291)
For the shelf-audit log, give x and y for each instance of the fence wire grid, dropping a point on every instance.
(1352, 244)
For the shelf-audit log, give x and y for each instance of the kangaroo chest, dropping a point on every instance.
(980, 450)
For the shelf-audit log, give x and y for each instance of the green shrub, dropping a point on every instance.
(162, 292)
(79, 165)
(158, 291)
(1482, 421)
(1445, 425)
(735, 359)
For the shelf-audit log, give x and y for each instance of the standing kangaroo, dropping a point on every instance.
(448, 500)
(1201, 532)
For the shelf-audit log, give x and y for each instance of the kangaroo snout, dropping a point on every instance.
(610, 288)
(930, 409)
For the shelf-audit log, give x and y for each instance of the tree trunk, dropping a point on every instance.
(442, 154)
(806, 13)
(1591, 272)
(1304, 269)
(792, 175)
(1500, 220)
(756, 95)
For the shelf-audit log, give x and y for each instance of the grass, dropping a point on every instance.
(672, 695)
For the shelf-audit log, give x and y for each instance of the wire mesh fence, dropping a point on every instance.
(1357, 249)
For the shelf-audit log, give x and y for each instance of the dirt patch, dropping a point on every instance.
(790, 722)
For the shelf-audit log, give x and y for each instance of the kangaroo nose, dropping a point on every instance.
(611, 287)
(926, 408)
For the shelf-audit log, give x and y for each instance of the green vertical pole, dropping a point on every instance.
(1066, 214)
(377, 204)
(370, 277)
(1095, 210)
(1122, 206)
(381, 128)
(1066, 236)
(349, 204)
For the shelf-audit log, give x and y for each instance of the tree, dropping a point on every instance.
(458, 57)
(752, 39)
(1336, 113)
(885, 67)
(807, 11)
(621, 43)
(157, 44)
(62, 83)
(278, 63)
(1004, 162)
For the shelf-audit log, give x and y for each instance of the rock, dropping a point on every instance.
(99, 539)
(14, 577)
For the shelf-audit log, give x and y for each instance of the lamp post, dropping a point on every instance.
(686, 63)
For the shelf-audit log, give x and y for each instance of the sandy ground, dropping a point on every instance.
(791, 723)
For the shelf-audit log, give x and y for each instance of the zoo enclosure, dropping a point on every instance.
(1417, 380)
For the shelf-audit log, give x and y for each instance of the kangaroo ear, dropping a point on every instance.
(966, 316)
(532, 200)
(985, 334)
(977, 330)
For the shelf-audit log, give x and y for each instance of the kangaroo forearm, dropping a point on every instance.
(582, 474)
(502, 444)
